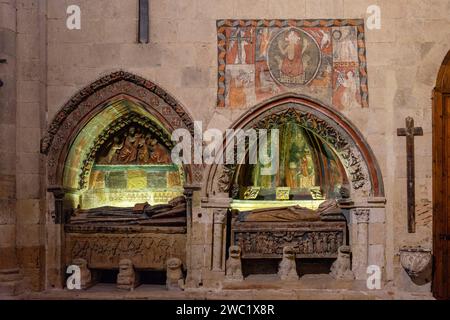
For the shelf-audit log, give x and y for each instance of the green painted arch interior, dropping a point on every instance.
(86, 137)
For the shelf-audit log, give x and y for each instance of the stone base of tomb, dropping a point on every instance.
(12, 283)
(148, 247)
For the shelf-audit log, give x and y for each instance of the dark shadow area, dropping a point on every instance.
(106, 276)
(153, 277)
(270, 266)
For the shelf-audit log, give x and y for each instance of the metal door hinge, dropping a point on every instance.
(444, 236)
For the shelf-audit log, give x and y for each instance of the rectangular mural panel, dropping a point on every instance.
(322, 59)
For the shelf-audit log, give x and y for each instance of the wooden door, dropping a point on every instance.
(441, 183)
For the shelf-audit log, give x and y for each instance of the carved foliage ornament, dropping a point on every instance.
(220, 216)
(352, 160)
(362, 215)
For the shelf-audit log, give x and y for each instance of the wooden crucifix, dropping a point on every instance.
(143, 35)
(2, 61)
(410, 132)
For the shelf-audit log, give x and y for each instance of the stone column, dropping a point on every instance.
(189, 195)
(360, 245)
(220, 216)
(10, 276)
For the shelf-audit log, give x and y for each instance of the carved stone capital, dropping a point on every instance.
(220, 216)
(361, 215)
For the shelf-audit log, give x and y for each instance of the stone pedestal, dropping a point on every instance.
(127, 279)
(12, 282)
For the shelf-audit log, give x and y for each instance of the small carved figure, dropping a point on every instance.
(341, 268)
(129, 151)
(234, 264)
(85, 273)
(344, 192)
(127, 278)
(174, 274)
(287, 269)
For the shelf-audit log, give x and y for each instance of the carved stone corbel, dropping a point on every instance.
(59, 193)
(127, 279)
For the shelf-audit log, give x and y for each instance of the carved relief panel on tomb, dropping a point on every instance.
(320, 240)
(324, 59)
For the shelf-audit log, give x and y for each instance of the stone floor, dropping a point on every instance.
(312, 287)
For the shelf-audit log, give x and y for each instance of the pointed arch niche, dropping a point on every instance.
(315, 141)
(330, 128)
(87, 126)
(108, 149)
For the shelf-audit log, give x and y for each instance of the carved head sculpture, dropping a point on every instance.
(80, 262)
(344, 251)
(344, 191)
(235, 252)
(174, 263)
(288, 253)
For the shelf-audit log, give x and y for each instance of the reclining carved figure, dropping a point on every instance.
(173, 213)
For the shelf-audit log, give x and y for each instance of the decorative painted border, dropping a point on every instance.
(222, 50)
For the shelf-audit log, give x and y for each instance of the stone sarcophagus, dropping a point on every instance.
(311, 233)
(148, 247)
(146, 235)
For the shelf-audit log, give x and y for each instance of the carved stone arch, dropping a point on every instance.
(90, 101)
(330, 125)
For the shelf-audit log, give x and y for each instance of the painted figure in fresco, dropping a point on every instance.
(345, 45)
(264, 38)
(292, 49)
(299, 174)
(240, 47)
(346, 95)
(237, 96)
(266, 83)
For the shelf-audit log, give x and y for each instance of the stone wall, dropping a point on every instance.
(403, 60)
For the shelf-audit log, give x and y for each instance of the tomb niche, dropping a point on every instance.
(294, 206)
(128, 198)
